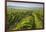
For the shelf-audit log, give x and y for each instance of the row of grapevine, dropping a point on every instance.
(19, 19)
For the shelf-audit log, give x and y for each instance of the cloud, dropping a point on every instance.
(24, 4)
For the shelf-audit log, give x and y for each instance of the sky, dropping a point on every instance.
(24, 4)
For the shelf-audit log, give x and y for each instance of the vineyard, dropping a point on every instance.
(24, 19)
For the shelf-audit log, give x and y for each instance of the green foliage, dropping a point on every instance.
(22, 19)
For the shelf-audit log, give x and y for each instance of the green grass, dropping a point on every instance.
(22, 19)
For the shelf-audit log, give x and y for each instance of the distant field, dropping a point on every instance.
(25, 19)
